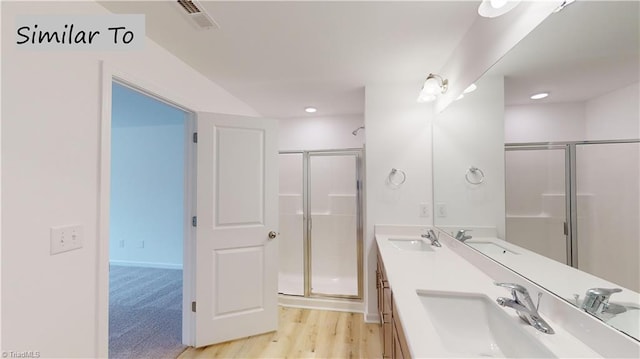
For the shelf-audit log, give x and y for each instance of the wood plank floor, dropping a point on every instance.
(303, 333)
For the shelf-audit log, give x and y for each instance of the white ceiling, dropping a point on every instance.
(588, 49)
(280, 57)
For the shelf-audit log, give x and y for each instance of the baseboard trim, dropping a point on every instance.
(145, 264)
(321, 303)
(372, 318)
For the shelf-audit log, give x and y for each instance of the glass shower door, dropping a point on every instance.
(608, 211)
(536, 200)
(334, 224)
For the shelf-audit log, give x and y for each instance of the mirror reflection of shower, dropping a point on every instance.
(355, 132)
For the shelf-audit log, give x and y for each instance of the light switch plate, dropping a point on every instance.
(441, 210)
(65, 238)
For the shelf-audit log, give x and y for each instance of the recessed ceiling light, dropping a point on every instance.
(539, 96)
(310, 109)
(471, 88)
(495, 8)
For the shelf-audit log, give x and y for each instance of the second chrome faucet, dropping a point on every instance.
(522, 303)
(431, 235)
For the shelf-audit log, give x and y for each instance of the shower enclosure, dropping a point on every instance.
(577, 203)
(321, 223)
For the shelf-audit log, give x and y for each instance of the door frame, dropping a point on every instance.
(109, 75)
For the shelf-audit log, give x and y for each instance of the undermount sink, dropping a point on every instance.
(409, 244)
(490, 248)
(473, 325)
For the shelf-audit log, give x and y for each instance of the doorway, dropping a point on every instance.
(148, 224)
(321, 224)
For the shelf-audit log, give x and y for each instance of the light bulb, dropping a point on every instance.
(425, 97)
(310, 109)
(471, 88)
(495, 8)
(496, 4)
(431, 86)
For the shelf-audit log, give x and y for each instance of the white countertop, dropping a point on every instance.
(444, 270)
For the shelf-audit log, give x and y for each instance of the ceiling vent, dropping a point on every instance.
(198, 16)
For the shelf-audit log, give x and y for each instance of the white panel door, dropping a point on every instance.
(237, 208)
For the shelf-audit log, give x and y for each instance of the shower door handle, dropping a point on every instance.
(273, 235)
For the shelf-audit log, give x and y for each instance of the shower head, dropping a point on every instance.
(355, 132)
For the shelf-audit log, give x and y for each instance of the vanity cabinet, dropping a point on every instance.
(400, 349)
(394, 344)
(384, 309)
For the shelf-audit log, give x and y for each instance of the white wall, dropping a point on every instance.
(544, 122)
(320, 132)
(50, 168)
(615, 115)
(398, 135)
(470, 133)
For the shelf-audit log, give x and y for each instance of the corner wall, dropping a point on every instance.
(398, 135)
(50, 176)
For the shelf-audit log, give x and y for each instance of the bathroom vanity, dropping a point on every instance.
(433, 300)
(394, 344)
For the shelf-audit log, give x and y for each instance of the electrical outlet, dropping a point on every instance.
(121, 243)
(441, 210)
(424, 210)
(65, 238)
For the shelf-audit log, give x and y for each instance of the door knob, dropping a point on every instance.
(272, 235)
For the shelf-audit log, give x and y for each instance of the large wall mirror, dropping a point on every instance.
(551, 187)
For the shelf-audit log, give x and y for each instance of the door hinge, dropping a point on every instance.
(566, 229)
(195, 137)
(193, 307)
(194, 221)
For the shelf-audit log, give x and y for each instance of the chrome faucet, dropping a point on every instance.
(431, 235)
(522, 303)
(462, 235)
(596, 302)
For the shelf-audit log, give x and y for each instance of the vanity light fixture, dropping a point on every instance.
(310, 109)
(539, 96)
(495, 8)
(433, 85)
